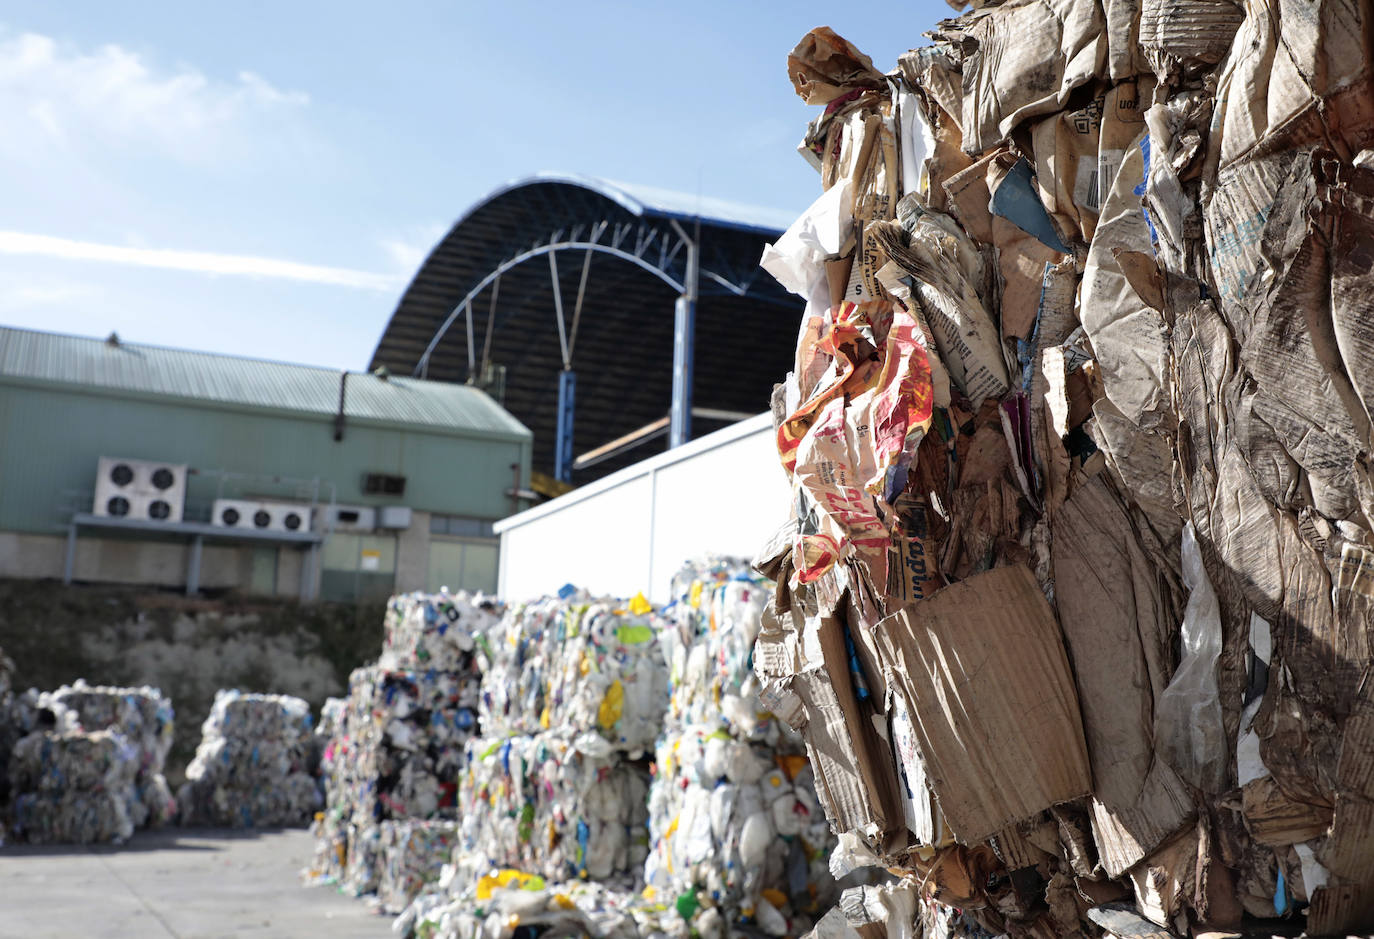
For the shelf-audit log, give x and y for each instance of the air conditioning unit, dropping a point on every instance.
(256, 515)
(348, 518)
(140, 489)
(394, 517)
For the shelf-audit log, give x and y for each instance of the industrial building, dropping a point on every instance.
(134, 464)
(611, 319)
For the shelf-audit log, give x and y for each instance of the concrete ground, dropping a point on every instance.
(180, 883)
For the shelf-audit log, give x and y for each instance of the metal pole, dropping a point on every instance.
(70, 567)
(193, 568)
(680, 417)
(684, 342)
(563, 451)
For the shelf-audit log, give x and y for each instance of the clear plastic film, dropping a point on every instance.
(1188, 721)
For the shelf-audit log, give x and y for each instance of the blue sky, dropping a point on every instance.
(286, 166)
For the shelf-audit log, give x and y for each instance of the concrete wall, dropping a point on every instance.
(188, 648)
(412, 555)
(154, 563)
(723, 494)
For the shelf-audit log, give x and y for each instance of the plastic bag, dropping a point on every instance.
(1188, 722)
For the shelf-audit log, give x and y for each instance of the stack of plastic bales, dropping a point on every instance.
(73, 786)
(399, 746)
(734, 818)
(144, 718)
(250, 769)
(573, 697)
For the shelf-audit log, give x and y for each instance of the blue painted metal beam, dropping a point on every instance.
(684, 341)
(567, 407)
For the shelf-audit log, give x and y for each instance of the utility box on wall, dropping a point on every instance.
(394, 517)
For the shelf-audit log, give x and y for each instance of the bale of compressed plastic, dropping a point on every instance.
(738, 822)
(577, 664)
(557, 804)
(144, 718)
(250, 769)
(714, 618)
(73, 786)
(413, 852)
(403, 749)
(435, 631)
(733, 813)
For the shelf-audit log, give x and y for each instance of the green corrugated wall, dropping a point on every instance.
(51, 438)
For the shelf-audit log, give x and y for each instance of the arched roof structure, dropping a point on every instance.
(556, 273)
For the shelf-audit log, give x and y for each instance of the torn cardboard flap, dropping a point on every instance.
(982, 668)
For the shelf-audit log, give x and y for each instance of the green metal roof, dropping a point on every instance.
(31, 357)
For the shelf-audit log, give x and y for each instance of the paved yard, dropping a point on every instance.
(178, 883)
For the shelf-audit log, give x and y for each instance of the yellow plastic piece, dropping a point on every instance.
(640, 605)
(504, 878)
(775, 897)
(612, 706)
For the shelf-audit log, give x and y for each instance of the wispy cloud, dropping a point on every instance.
(200, 262)
(408, 251)
(54, 94)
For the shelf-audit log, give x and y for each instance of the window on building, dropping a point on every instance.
(460, 526)
(461, 564)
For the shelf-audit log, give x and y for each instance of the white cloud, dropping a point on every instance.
(56, 94)
(29, 296)
(408, 251)
(201, 262)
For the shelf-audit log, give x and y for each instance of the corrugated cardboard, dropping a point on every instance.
(982, 667)
(856, 779)
(1117, 612)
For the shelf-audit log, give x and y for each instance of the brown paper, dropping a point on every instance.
(981, 666)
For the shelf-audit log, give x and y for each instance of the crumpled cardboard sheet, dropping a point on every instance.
(576, 663)
(73, 786)
(250, 768)
(558, 804)
(145, 719)
(435, 631)
(1123, 293)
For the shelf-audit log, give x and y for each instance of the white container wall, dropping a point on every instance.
(629, 533)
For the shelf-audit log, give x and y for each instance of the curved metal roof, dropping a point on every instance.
(617, 253)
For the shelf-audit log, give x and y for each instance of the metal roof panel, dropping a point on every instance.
(33, 356)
